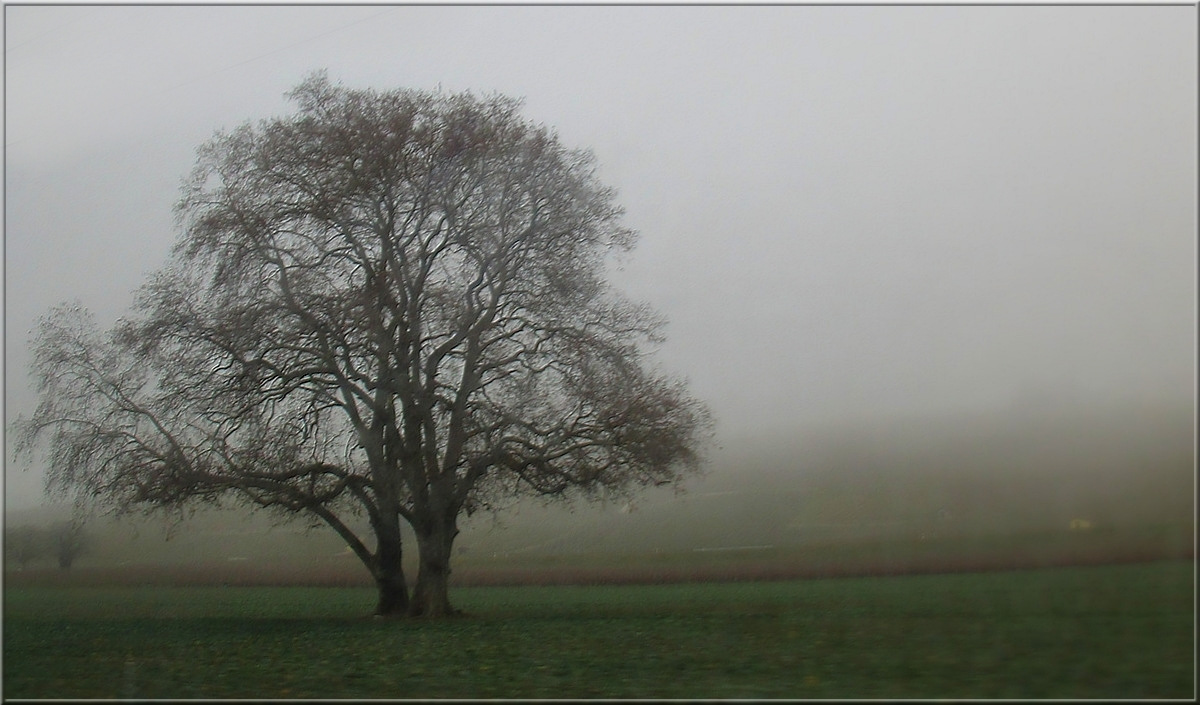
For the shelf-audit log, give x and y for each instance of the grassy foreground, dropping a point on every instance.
(1086, 632)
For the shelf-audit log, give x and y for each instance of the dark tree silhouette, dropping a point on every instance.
(388, 305)
(24, 544)
(68, 540)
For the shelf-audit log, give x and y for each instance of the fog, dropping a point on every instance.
(851, 216)
(983, 490)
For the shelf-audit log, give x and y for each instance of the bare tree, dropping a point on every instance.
(390, 305)
(24, 544)
(68, 540)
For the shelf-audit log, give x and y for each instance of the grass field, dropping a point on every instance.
(1124, 631)
(874, 556)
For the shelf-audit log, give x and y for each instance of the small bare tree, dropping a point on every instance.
(68, 541)
(388, 305)
(24, 544)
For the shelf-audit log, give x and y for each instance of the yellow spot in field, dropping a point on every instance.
(1081, 525)
(811, 680)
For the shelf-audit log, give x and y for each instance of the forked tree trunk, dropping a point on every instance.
(431, 597)
(389, 575)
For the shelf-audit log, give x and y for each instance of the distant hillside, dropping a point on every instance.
(918, 478)
(986, 474)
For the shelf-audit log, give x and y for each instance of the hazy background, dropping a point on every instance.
(852, 216)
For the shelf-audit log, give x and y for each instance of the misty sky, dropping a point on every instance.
(845, 211)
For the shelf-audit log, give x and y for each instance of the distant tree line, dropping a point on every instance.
(62, 542)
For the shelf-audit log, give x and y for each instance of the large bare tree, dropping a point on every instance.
(388, 305)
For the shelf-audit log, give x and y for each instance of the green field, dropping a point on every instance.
(1083, 632)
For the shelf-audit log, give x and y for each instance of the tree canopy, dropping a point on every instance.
(388, 304)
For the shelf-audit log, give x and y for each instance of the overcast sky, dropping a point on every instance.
(845, 211)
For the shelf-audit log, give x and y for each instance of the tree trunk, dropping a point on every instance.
(389, 574)
(431, 595)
